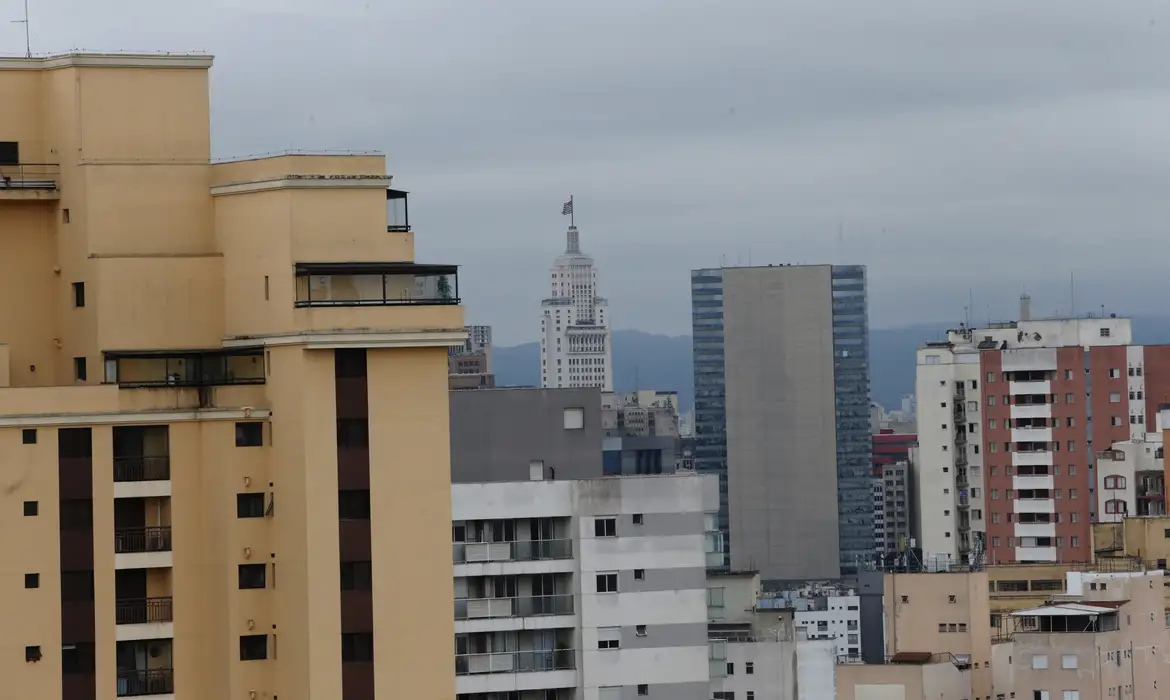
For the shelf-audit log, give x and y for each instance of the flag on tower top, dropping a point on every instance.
(567, 210)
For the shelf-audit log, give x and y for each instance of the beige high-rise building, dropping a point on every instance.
(223, 387)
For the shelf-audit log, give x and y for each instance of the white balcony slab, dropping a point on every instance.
(144, 560)
(507, 568)
(1033, 482)
(142, 489)
(1032, 411)
(1027, 554)
(1031, 434)
(1034, 505)
(1031, 459)
(1024, 388)
(149, 630)
(1035, 529)
(503, 682)
(508, 624)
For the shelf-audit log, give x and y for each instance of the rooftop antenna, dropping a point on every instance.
(27, 43)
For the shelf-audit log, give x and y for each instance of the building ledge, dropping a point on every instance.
(365, 338)
(108, 60)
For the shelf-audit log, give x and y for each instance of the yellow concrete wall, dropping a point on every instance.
(410, 485)
(28, 323)
(343, 225)
(148, 209)
(22, 114)
(104, 592)
(277, 167)
(158, 303)
(252, 231)
(31, 545)
(303, 464)
(169, 122)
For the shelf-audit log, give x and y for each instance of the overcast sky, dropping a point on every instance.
(985, 145)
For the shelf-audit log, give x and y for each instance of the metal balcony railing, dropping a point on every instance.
(142, 469)
(523, 606)
(516, 662)
(29, 176)
(141, 611)
(142, 539)
(523, 550)
(153, 681)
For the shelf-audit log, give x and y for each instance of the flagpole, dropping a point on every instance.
(572, 213)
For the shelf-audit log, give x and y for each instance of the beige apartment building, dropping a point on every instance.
(1103, 638)
(199, 363)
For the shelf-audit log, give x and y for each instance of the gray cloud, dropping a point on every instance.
(966, 148)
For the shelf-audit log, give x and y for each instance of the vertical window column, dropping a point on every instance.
(353, 508)
(75, 488)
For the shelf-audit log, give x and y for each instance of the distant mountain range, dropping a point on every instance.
(649, 361)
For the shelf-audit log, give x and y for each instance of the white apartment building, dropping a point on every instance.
(583, 590)
(825, 610)
(575, 341)
(756, 653)
(1130, 479)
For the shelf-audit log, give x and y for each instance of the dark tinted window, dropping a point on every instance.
(76, 586)
(353, 432)
(357, 647)
(29, 436)
(77, 658)
(249, 434)
(79, 371)
(353, 505)
(9, 152)
(252, 576)
(76, 514)
(249, 505)
(30, 507)
(32, 580)
(74, 443)
(356, 576)
(349, 363)
(253, 647)
(79, 294)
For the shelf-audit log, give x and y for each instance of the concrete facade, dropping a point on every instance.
(200, 363)
(595, 589)
(497, 434)
(782, 407)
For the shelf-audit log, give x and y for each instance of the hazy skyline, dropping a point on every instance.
(995, 146)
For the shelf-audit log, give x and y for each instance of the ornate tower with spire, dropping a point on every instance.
(575, 344)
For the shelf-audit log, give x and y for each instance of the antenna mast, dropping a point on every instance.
(27, 43)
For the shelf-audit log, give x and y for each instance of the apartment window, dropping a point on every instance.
(29, 436)
(942, 627)
(993, 446)
(1072, 493)
(1068, 661)
(749, 668)
(1115, 420)
(357, 646)
(252, 576)
(253, 647)
(30, 508)
(1039, 661)
(353, 433)
(905, 599)
(995, 494)
(1115, 397)
(65, 216)
(32, 580)
(77, 659)
(730, 668)
(353, 504)
(1072, 517)
(1115, 482)
(607, 583)
(1076, 694)
(78, 294)
(609, 637)
(991, 376)
(574, 418)
(249, 505)
(639, 574)
(79, 372)
(644, 689)
(990, 400)
(356, 576)
(605, 527)
(1072, 470)
(32, 654)
(637, 518)
(995, 540)
(249, 434)
(640, 630)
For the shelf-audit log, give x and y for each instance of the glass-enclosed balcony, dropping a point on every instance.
(185, 368)
(375, 284)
